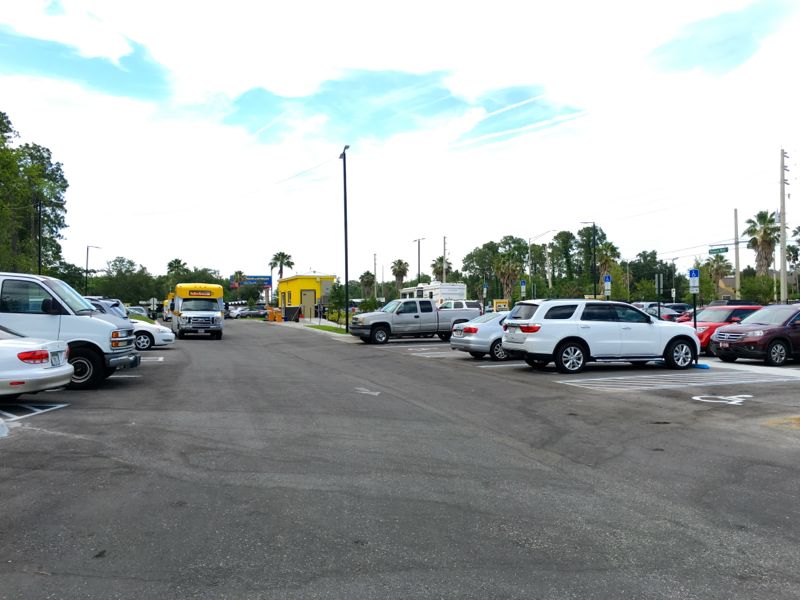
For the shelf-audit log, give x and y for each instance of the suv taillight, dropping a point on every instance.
(529, 328)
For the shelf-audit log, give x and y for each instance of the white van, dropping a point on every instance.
(47, 308)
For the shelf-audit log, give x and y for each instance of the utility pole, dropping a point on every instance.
(784, 183)
(419, 262)
(737, 278)
(343, 157)
(444, 260)
(375, 271)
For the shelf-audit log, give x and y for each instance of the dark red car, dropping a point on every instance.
(712, 318)
(772, 334)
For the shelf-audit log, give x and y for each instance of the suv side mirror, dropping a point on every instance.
(736, 319)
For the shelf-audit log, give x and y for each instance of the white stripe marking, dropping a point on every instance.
(125, 377)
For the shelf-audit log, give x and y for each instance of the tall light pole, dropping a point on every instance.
(594, 256)
(419, 262)
(784, 285)
(86, 272)
(343, 156)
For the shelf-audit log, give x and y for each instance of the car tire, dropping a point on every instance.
(108, 372)
(728, 358)
(679, 354)
(777, 354)
(536, 363)
(217, 335)
(9, 397)
(445, 337)
(180, 335)
(365, 339)
(379, 335)
(570, 357)
(477, 355)
(496, 351)
(89, 368)
(144, 341)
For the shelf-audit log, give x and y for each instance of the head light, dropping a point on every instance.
(756, 333)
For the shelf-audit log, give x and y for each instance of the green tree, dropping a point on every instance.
(509, 267)
(764, 234)
(399, 270)
(478, 265)
(436, 268)
(758, 288)
(367, 281)
(717, 267)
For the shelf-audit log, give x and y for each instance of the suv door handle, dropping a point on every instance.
(416, 316)
(627, 327)
(585, 326)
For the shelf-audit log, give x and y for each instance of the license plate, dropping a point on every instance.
(724, 344)
(458, 333)
(512, 329)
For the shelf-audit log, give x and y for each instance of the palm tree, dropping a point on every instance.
(279, 261)
(176, 267)
(399, 270)
(238, 278)
(436, 267)
(764, 233)
(606, 255)
(509, 268)
(367, 281)
(718, 267)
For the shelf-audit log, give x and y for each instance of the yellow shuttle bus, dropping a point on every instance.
(198, 308)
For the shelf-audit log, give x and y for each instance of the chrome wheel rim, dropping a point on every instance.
(572, 357)
(142, 342)
(778, 354)
(498, 351)
(83, 370)
(380, 336)
(682, 355)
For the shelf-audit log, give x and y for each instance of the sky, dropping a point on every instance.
(211, 132)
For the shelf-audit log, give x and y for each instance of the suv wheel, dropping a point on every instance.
(570, 357)
(777, 353)
(679, 354)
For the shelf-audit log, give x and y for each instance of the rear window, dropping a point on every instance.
(474, 305)
(523, 311)
(561, 312)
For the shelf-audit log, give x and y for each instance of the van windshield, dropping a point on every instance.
(69, 296)
(199, 304)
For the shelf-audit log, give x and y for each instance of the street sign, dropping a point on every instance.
(607, 286)
(720, 250)
(522, 287)
(694, 281)
(607, 279)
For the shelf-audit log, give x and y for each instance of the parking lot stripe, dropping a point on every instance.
(125, 377)
(673, 380)
(32, 410)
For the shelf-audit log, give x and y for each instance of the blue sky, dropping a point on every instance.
(614, 117)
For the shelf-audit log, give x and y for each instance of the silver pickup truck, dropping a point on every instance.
(409, 318)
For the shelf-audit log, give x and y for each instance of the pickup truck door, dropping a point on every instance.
(428, 317)
(23, 308)
(406, 319)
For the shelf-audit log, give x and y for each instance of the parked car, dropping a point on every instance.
(235, 312)
(461, 304)
(665, 314)
(771, 334)
(251, 312)
(48, 308)
(644, 305)
(30, 365)
(574, 332)
(481, 336)
(712, 318)
(146, 334)
(679, 307)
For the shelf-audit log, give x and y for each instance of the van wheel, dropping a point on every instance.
(379, 335)
(570, 357)
(144, 341)
(89, 369)
(496, 351)
(217, 335)
(679, 354)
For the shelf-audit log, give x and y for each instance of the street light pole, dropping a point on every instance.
(343, 156)
(419, 262)
(86, 272)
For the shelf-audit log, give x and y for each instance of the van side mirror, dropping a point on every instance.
(172, 305)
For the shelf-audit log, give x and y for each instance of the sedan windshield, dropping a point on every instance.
(710, 315)
(771, 315)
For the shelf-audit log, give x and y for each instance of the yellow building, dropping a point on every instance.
(304, 290)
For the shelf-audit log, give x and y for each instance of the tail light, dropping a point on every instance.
(529, 328)
(470, 330)
(34, 357)
(505, 327)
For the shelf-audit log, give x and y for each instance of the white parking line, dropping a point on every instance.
(503, 365)
(33, 410)
(125, 377)
(673, 380)
(152, 359)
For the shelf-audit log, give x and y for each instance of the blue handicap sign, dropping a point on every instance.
(694, 273)
(607, 278)
(522, 282)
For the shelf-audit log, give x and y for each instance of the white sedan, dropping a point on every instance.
(151, 334)
(30, 365)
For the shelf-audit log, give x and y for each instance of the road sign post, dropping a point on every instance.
(720, 250)
(522, 287)
(694, 288)
(607, 286)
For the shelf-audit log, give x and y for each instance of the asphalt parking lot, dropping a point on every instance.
(289, 463)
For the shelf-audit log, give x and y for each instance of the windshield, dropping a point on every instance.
(770, 315)
(391, 307)
(69, 296)
(714, 316)
(199, 304)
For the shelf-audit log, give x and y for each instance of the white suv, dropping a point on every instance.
(574, 332)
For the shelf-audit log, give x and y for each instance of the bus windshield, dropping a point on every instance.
(199, 304)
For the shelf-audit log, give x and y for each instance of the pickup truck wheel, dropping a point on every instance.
(144, 341)
(477, 355)
(445, 337)
(496, 351)
(365, 339)
(679, 354)
(777, 353)
(89, 369)
(379, 335)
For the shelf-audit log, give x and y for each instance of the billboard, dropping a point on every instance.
(258, 280)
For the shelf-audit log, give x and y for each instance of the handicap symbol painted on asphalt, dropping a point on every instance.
(736, 400)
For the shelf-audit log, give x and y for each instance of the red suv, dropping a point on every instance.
(711, 318)
(772, 334)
